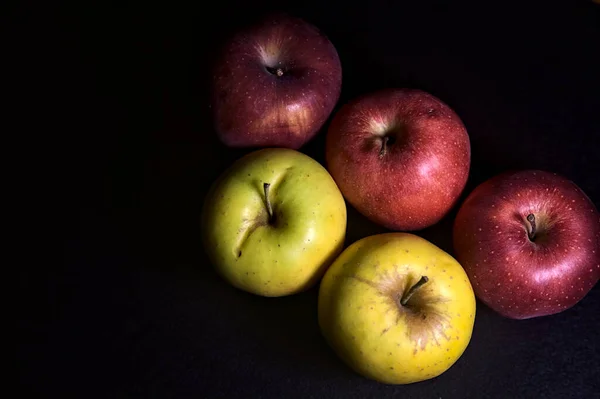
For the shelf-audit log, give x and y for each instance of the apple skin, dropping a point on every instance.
(517, 277)
(253, 106)
(289, 253)
(424, 168)
(362, 318)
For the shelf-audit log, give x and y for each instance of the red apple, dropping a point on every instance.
(529, 242)
(401, 157)
(275, 84)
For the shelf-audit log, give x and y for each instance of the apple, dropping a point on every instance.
(401, 157)
(275, 84)
(396, 308)
(273, 222)
(530, 242)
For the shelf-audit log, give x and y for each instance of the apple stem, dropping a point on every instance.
(279, 72)
(531, 220)
(266, 186)
(384, 146)
(412, 290)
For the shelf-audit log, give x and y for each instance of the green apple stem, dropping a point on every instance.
(412, 290)
(266, 186)
(531, 220)
(383, 149)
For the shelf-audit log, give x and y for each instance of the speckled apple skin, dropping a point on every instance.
(420, 176)
(517, 277)
(253, 106)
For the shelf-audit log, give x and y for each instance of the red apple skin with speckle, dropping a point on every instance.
(401, 157)
(522, 277)
(275, 84)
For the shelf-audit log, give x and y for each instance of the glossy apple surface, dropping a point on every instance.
(275, 84)
(396, 308)
(273, 222)
(530, 243)
(401, 157)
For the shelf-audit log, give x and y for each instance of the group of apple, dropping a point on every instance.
(393, 306)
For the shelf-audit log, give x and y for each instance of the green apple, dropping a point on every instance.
(273, 222)
(396, 308)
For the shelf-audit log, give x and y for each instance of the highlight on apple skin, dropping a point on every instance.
(401, 157)
(530, 242)
(275, 84)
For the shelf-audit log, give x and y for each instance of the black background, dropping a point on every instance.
(120, 152)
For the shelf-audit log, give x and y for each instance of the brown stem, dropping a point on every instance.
(383, 149)
(279, 72)
(412, 290)
(531, 220)
(266, 186)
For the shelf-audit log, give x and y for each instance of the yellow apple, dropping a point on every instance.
(396, 308)
(273, 222)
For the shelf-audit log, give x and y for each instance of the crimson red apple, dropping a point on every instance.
(275, 84)
(529, 242)
(401, 157)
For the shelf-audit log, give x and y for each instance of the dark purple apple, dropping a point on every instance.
(275, 84)
(530, 243)
(401, 157)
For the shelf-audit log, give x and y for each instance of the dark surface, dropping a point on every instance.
(127, 306)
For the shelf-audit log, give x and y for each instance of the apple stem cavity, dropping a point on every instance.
(275, 71)
(532, 231)
(266, 186)
(412, 290)
(383, 149)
